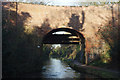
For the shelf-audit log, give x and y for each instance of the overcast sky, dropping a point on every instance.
(65, 2)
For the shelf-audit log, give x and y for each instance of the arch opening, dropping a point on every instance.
(61, 36)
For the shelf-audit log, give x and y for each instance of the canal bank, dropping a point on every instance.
(100, 72)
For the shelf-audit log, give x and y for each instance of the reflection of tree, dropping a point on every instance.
(75, 22)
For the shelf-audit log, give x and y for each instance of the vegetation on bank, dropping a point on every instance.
(20, 51)
(109, 58)
(70, 52)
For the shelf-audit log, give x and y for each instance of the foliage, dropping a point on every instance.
(105, 56)
(47, 49)
(110, 35)
(67, 52)
(20, 53)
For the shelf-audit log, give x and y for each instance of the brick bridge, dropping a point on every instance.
(85, 20)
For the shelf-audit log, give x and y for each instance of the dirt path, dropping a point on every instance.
(96, 68)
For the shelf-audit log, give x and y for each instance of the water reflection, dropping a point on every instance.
(57, 69)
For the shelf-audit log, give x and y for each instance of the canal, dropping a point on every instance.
(55, 68)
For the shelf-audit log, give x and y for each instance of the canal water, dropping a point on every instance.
(55, 68)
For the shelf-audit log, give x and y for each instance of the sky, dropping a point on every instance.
(65, 2)
(56, 45)
(62, 2)
(61, 32)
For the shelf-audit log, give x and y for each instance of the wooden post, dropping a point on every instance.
(86, 58)
(83, 50)
(112, 16)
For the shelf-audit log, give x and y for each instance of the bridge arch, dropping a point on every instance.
(71, 36)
